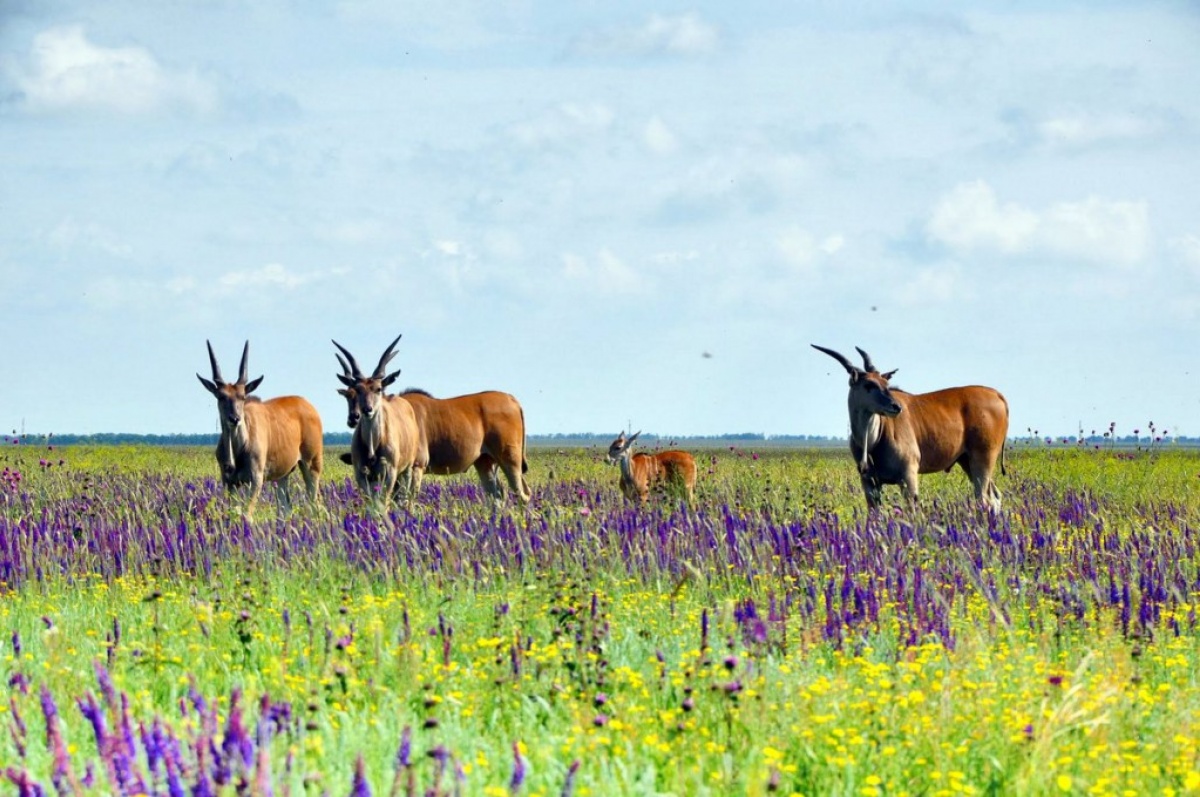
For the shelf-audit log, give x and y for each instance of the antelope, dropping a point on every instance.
(480, 430)
(264, 440)
(385, 446)
(641, 472)
(894, 435)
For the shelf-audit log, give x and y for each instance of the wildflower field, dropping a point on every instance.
(770, 639)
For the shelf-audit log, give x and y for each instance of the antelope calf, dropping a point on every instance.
(642, 472)
(385, 446)
(894, 436)
(264, 440)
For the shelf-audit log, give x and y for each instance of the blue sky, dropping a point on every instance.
(576, 202)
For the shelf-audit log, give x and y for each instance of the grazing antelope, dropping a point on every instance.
(481, 430)
(641, 472)
(894, 436)
(264, 440)
(385, 445)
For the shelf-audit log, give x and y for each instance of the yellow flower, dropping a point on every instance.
(1064, 782)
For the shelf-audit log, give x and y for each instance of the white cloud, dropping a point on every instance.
(65, 71)
(971, 219)
(802, 250)
(71, 234)
(272, 275)
(659, 138)
(682, 35)
(1186, 248)
(605, 274)
(932, 285)
(1082, 130)
(564, 123)
(1098, 231)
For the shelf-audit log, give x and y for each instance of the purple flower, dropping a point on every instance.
(360, 787)
(518, 774)
(569, 784)
(404, 753)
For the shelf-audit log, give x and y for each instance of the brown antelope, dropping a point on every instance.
(894, 436)
(264, 440)
(481, 430)
(384, 448)
(641, 472)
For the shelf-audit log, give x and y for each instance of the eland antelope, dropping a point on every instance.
(894, 436)
(263, 440)
(642, 472)
(481, 431)
(384, 449)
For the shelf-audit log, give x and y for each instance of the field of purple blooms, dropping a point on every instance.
(771, 639)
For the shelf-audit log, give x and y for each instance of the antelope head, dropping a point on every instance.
(870, 391)
(620, 446)
(231, 397)
(353, 413)
(365, 393)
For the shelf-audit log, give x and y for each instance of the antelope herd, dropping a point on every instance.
(397, 438)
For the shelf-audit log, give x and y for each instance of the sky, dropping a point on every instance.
(626, 214)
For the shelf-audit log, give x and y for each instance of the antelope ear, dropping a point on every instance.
(387, 380)
(890, 374)
(344, 392)
(345, 380)
(252, 385)
(210, 386)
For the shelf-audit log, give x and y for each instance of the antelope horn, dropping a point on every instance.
(212, 358)
(380, 369)
(244, 377)
(867, 364)
(354, 370)
(345, 368)
(850, 367)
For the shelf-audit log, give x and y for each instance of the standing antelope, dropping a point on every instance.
(894, 436)
(264, 440)
(480, 430)
(385, 446)
(641, 472)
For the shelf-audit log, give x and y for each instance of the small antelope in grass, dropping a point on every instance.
(264, 440)
(386, 442)
(642, 472)
(894, 436)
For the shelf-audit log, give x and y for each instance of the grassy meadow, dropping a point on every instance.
(771, 639)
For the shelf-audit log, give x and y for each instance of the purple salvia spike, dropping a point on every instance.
(174, 766)
(16, 644)
(569, 784)
(16, 729)
(518, 774)
(404, 753)
(26, 786)
(262, 758)
(360, 787)
(62, 777)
